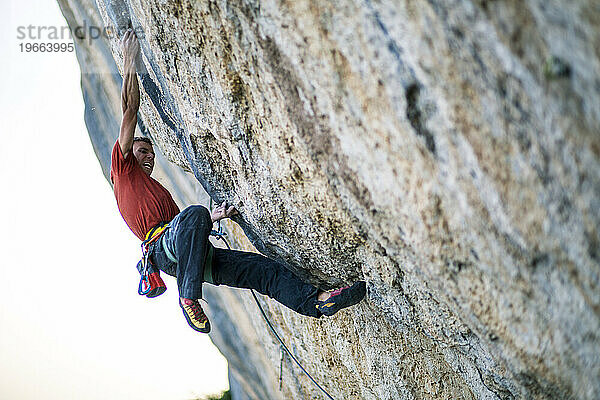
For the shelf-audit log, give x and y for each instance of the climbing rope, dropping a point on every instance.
(220, 235)
(285, 347)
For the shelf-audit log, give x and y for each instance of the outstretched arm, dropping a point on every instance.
(130, 93)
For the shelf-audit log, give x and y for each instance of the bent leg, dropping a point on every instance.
(187, 237)
(254, 271)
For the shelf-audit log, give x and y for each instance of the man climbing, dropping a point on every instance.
(177, 242)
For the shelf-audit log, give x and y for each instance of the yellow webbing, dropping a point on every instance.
(155, 232)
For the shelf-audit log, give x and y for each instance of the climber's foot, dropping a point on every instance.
(194, 315)
(334, 301)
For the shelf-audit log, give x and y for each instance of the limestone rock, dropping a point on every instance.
(447, 152)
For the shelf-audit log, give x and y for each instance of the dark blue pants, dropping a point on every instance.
(187, 239)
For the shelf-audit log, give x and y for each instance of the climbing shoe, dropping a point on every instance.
(194, 315)
(342, 298)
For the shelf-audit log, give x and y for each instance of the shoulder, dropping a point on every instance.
(121, 163)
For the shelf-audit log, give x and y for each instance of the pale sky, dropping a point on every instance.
(72, 325)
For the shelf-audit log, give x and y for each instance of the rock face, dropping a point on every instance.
(447, 152)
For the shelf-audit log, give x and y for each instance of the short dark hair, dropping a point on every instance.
(143, 139)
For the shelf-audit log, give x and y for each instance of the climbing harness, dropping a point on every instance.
(151, 284)
(220, 235)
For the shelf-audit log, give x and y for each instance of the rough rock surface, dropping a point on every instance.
(447, 152)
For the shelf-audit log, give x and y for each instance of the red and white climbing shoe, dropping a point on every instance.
(194, 315)
(342, 298)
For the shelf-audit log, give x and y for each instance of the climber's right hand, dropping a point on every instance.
(222, 211)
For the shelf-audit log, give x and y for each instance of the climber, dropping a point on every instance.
(177, 242)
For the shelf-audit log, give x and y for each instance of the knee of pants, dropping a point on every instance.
(199, 213)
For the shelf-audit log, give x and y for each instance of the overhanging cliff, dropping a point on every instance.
(445, 152)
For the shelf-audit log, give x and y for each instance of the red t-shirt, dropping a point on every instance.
(142, 201)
